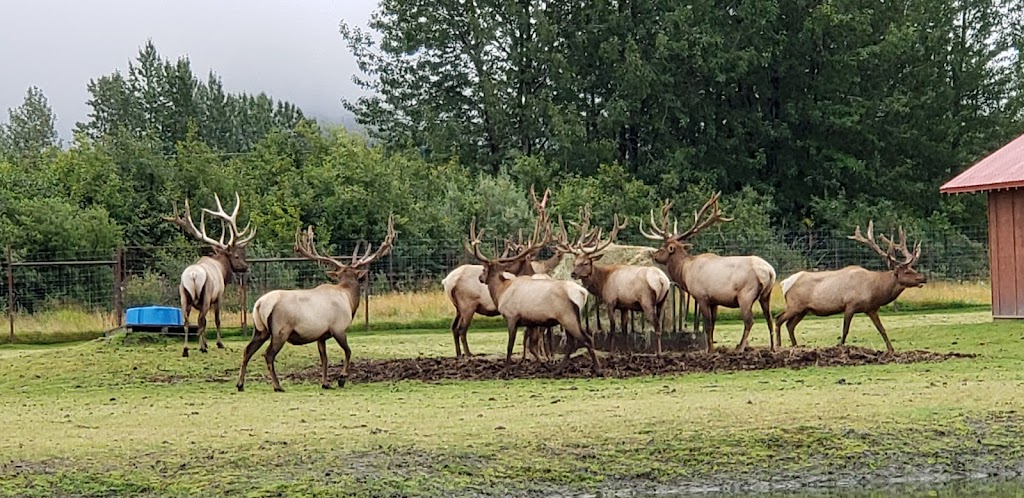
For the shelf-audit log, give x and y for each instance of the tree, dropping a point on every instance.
(30, 129)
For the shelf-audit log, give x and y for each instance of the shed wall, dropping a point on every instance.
(1006, 252)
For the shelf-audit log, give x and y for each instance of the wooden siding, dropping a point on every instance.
(1006, 252)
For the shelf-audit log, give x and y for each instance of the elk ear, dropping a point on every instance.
(361, 274)
(596, 257)
(507, 276)
(671, 249)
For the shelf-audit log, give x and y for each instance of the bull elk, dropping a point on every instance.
(852, 289)
(528, 301)
(713, 280)
(202, 284)
(470, 297)
(302, 316)
(621, 287)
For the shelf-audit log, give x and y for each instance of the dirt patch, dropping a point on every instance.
(618, 366)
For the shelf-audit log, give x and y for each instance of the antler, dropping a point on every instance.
(231, 219)
(888, 255)
(306, 248)
(589, 240)
(186, 223)
(909, 258)
(596, 245)
(385, 247)
(662, 233)
(711, 219)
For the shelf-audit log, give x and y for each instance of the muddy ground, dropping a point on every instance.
(619, 365)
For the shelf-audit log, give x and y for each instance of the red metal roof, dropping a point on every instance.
(1002, 169)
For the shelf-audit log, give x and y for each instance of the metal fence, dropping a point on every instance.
(108, 282)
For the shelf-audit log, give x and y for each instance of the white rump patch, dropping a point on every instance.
(788, 283)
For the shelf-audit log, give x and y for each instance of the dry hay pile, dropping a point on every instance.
(619, 366)
(613, 254)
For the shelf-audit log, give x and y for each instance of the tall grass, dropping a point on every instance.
(432, 309)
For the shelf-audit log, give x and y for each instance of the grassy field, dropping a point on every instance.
(119, 416)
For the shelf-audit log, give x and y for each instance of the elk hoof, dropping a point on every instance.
(202, 350)
(184, 353)
(278, 389)
(220, 345)
(326, 386)
(341, 381)
(240, 387)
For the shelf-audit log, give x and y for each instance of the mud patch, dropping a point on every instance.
(618, 366)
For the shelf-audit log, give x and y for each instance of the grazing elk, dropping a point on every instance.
(202, 284)
(713, 280)
(529, 301)
(621, 287)
(470, 297)
(852, 289)
(302, 316)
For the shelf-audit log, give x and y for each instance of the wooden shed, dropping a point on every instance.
(1001, 175)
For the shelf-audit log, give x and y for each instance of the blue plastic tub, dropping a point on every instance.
(154, 315)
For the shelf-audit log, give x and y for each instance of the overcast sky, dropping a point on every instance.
(289, 49)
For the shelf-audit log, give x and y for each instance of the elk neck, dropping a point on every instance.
(225, 265)
(550, 263)
(495, 285)
(678, 266)
(595, 282)
(350, 288)
(890, 286)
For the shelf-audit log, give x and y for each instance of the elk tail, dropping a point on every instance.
(194, 284)
(767, 277)
(261, 312)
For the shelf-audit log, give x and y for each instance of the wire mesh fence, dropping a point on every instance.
(102, 284)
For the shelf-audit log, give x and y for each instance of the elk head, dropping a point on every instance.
(676, 242)
(234, 249)
(589, 243)
(517, 253)
(904, 270)
(346, 275)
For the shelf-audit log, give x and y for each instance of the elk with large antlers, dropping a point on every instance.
(621, 287)
(528, 301)
(302, 316)
(202, 284)
(852, 289)
(470, 297)
(713, 280)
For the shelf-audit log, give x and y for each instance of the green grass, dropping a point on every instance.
(87, 418)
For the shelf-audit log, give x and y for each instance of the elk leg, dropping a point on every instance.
(881, 330)
(779, 320)
(527, 339)
(747, 313)
(342, 340)
(322, 346)
(710, 322)
(216, 322)
(791, 327)
(275, 347)
(258, 338)
(457, 328)
(549, 343)
(765, 302)
(652, 313)
(512, 326)
(202, 331)
(624, 316)
(587, 341)
(465, 345)
(847, 318)
(186, 307)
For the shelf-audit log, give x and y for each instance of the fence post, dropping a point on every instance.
(118, 287)
(366, 306)
(10, 292)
